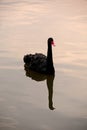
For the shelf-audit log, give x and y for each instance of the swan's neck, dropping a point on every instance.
(49, 55)
(50, 67)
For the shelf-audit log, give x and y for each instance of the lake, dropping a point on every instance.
(30, 101)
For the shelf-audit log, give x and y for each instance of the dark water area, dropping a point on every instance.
(31, 101)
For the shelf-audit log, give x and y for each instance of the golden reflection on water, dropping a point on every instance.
(25, 26)
(7, 122)
(20, 13)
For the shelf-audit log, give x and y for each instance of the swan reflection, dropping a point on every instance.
(40, 77)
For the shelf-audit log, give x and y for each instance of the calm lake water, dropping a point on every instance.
(25, 102)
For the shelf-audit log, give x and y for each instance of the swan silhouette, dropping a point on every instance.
(40, 77)
(38, 62)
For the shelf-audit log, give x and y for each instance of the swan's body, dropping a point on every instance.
(39, 62)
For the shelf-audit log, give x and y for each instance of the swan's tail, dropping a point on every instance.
(27, 58)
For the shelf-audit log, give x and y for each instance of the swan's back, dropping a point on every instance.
(36, 62)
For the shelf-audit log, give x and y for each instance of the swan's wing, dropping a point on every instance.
(38, 63)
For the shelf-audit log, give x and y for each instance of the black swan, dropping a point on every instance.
(39, 62)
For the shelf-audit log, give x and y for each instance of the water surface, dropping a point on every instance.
(27, 99)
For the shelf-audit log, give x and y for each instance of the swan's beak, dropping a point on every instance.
(53, 43)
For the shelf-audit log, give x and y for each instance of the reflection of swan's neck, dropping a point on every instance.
(50, 91)
(39, 77)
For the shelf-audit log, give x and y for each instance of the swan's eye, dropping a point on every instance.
(52, 42)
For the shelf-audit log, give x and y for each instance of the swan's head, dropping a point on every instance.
(51, 41)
